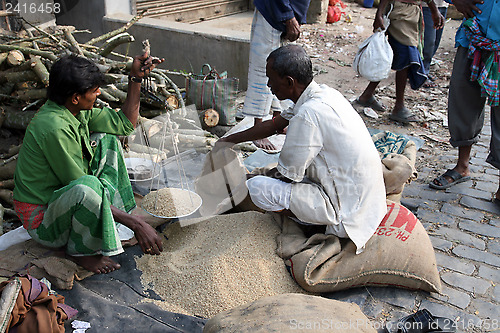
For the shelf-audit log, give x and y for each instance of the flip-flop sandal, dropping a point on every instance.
(404, 116)
(372, 103)
(429, 84)
(423, 321)
(445, 183)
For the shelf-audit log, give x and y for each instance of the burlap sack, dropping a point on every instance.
(291, 312)
(399, 254)
(398, 156)
(398, 171)
(221, 183)
(39, 261)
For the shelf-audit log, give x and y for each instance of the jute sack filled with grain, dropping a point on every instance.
(291, 312)
(221, 183)
(218, 264)
(399, 254)
(398, 155)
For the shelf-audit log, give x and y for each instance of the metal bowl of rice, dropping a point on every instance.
(171, 202)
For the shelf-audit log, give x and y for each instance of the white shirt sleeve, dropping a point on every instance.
(303, 142)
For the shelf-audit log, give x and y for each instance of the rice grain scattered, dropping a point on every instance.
(216, 265)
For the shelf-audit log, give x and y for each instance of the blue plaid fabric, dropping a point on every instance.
(487, 74)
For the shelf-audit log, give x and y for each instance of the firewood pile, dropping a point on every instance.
(25, 61)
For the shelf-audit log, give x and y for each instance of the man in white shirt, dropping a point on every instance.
(329, 171)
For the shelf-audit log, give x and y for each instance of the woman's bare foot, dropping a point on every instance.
(98, 264)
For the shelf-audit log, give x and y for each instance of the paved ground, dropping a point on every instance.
(464, 226)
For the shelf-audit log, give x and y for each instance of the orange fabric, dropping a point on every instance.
(40, 315)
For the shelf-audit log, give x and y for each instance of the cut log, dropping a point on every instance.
(173, 101)
(31, 94)
(209, 118)
(28, 50)
(14, 77)
(114, 42)
(16, 119)
(7, 184)
(15, 58)
(3, 56)
(40, 70)
(7, 196)
(7, 88)
(7, 170)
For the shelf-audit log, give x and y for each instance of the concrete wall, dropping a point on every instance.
(186, 47)
(83, 14)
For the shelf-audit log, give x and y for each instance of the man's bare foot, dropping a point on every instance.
(264, 144)
(98, 264)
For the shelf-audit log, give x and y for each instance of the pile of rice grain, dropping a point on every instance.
(171, 202)
(218, 264)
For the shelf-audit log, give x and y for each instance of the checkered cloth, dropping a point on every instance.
(487, 74)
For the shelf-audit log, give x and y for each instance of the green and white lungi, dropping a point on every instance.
(78, 215)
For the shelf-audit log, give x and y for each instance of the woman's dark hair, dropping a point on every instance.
(292, 60)
(72, 74)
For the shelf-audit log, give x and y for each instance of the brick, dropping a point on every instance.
(494, 247)
(402, 298)
(462, 212)
(415, 203)
(453, 296)
(488, 177)
(454, 264)
(481, 155)
(469, 283)
(474, 203)
(489, 273)
(470, 192)
(435, 217)
(487, 186)
(495, 222)
(496, 293)
(485, 309)
(490, 171)
(460, 237)
(429, 194)
(477, 255)
(479, 161)
(480, 228)
(448, 311)
(440, 244)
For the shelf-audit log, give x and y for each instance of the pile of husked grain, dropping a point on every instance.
(171, 202)
(218, 264)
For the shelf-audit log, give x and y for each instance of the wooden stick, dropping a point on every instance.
(114, 42)
(117, 31)
(7, 184)
(14, 77)
(40, 70)
(72, 41)
(26, 50)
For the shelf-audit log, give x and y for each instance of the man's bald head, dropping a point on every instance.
(292, 60)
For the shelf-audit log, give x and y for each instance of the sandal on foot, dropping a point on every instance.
(445, 183)
(372, 103)
(404, 116)
(429, 84)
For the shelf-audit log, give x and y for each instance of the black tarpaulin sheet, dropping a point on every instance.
(114, 302)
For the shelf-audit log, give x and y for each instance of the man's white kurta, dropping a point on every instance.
(336, 169)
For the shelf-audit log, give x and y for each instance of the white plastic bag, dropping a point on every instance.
(374, 57)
